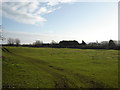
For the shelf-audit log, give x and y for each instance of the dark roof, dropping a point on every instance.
(74, 42)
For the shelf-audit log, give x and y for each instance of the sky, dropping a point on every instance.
(57, 20)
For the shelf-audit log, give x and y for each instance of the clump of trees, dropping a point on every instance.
(83, 43)
(17, 42)
(104, 45)
(10, 41)
(13, 42)
(53, 42)
(38, 43)
(111, 44)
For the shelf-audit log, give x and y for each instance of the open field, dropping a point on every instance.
(25, 67)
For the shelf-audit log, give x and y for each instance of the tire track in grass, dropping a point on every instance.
(61, 81)
(82, 78)
(89, 81)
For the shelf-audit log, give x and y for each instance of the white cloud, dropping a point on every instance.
(22, 12)
(43, 10)
(32, 11)
(21, 15)
(28, 11)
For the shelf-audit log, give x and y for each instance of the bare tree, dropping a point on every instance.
(38, 43)
(104, 43)
(53, 42)
(17, 42)
(10, 41)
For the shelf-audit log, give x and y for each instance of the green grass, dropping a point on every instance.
(25, 67)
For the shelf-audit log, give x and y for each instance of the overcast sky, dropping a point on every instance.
(48, 20)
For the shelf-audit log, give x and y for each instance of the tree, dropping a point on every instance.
(83, 43)
(17, 42)
(53, 42)
(111, 44)
(10, 41)
(38, 43)
(104, 44)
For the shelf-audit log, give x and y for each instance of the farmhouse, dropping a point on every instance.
(64, 43)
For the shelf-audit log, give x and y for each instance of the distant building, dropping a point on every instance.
(64, 43)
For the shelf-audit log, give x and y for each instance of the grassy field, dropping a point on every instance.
(25, 67)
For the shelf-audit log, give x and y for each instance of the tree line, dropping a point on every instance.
(13, 42)
(66, 44)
